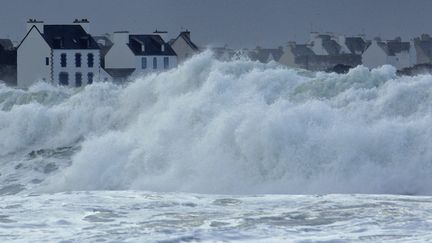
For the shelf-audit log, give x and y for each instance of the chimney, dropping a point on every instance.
(291, 43)
(34, 22)
(313, 36)
(341, 40)
(288, 46)
(186, 33)
(121, 38)
(85, 24)
(162, 34)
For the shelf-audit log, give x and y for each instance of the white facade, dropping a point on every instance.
(145, 64)
(88, 74)
(37, 61)
(288, 57)
(341, 40)
(402, 60)
(183, 50)
(32, 57)
(318, 48)
(120, 55)
(375, 56)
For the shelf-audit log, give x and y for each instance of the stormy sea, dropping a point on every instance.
(220, 151)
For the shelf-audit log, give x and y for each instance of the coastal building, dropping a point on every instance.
(104, 42)
(423, 49)
(296, 55)
(183, 46)
(393, 52)
(223, 53)
(133, 55)
(355, 45)
(63, 54)
(324, 44)
(8, 62)
(323, 52)
(266, 55)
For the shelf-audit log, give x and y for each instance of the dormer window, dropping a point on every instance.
(85, 42)
(58, 42)
(102, 42)
(142, 48)
(162, 47)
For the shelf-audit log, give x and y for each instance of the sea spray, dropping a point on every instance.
(235, 127)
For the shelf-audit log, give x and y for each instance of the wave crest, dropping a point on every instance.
(239, 127)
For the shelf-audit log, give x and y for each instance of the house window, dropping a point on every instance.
(166, 62)
(144, 62)
(90, 60)
(90, 78)
(63, 59)
(64, 78)
(154, 62)
(78, 59)
(78, 79)
(47, 61)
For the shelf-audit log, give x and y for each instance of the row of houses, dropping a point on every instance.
(326, 51)
(67, 54)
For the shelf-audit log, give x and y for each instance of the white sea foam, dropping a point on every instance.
(233, 127)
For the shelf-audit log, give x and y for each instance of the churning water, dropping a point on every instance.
(235, 127)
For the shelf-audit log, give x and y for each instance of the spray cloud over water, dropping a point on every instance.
(233, 127)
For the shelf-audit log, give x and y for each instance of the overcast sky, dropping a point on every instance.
(238, 23)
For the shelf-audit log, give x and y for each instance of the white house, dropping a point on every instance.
(59, 54)
(183, 46)
(394, 52)
(138, 54)
(324, 44)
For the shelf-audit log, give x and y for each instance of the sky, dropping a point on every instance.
(237, 23)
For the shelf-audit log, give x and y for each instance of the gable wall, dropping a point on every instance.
(374, 56)
(31, 65)
(120, 56)
(182, 49)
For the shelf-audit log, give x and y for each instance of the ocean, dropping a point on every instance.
(220, 151)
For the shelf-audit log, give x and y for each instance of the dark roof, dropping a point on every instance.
(104, 44)
(331, 46)
(103, 40)
(324, 37)
(301, 50)
(6, 44)
(356, 45)
(68, 37)
(186, 37)
(393, 47)
(397, 46)
(152, 46)
(424, 45)
(263, 54)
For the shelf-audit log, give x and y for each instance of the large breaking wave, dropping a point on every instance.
(231, 127)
